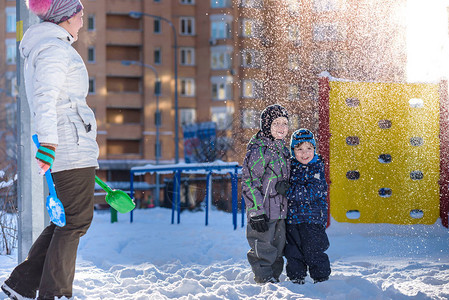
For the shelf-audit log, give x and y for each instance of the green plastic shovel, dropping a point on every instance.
(117, 199)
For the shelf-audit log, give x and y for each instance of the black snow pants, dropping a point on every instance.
(306, 244)
(50, 265)
(265, 255)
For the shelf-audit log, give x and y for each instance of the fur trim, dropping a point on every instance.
(39, 7)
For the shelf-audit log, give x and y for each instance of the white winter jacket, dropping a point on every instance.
(57, 84)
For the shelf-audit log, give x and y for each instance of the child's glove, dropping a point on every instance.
(46, 154)
(259, 223)
(282, 187)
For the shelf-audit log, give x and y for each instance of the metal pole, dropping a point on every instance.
(30, 185)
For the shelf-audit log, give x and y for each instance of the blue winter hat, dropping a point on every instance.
(300, 136)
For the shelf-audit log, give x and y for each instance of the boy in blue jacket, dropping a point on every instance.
(307, 212)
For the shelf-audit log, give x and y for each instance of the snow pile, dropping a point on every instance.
(152, 259)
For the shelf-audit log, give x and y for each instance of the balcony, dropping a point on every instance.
(124, 100)
(127, 131)
(123, 37)
(125, 6)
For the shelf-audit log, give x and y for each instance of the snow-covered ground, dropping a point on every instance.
(153, 259)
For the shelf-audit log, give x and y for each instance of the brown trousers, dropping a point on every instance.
(50, 265)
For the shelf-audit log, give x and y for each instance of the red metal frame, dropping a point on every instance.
(444, 153)
(324, 131)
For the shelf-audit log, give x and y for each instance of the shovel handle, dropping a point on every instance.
(51, 186)
(102, 184)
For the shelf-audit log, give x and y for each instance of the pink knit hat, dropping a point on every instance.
(55, 11)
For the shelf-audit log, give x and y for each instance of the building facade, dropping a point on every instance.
(234, 57)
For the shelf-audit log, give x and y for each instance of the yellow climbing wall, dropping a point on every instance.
(384, 152)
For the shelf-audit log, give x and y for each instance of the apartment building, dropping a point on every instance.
(234, 57)
(8, 92)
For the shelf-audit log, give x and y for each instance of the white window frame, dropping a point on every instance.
(328, 5)
(187, 56)
(222, 116)
(250, 28)
(250, 118)
(223, 87)
(94, 88)
(160, 55)
(254, 54)
(294, 92)
(220, 57)
(220, 27)
(325, 32)
(187, 26)
(220, 3)
(94, 53)
(294, 62)
(251, 88)
(251, 3)
(187, 87)
(187, 116)
(11, 51)
(294, 33)
(94, 22)
(187, 2)
(10, 12)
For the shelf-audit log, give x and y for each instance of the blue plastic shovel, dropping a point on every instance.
(54, 206)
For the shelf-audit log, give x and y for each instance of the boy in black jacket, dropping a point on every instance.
(307, 212)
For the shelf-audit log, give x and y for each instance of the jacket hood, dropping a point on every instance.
(41, 32)
(260, 140)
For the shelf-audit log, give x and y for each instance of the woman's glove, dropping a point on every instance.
(259, 223)
(46, 156)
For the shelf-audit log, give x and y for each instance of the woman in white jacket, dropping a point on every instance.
(56, 82)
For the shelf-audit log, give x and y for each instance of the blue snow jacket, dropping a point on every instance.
(307, 193)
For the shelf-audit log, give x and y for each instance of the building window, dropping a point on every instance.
(221, 87)
(221, 26)
(10, 51)
(251, 3)
(250, 118)
(157, 56)
(187, 116)
(220, 3)
(156, 26)
(187, 87)
(91, 86)
(294, 92)
(294, 61)
(187, 26)
(11, 84)
(91, 54)
(328, 5)
(188, 2)
(294, 121)
(327, 32)
(250, 28)
(251, 89)
(187, 56)
(330, 61)
(222, 116)
(221, 57)
(91, 23)
(11, 19)
(250, 58)
(157, 1)
(294, 33)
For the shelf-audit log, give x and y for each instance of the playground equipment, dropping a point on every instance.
(218, 167)
(386, 149)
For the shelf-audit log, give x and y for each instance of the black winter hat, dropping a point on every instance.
(269, 114)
